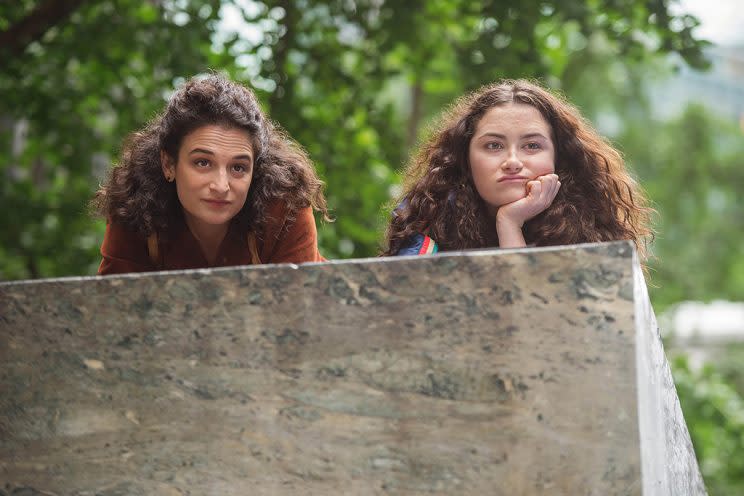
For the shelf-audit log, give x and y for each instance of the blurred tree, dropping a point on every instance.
(693, 169)
(354, 80)
(714, 412)
(75, 81)
(350, 80)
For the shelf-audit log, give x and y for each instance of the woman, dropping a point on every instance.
(210, 182)
(512, 165)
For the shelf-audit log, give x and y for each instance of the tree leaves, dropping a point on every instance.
(714, 412)
(352, 81)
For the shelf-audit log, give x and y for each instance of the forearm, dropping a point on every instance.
(509, 233)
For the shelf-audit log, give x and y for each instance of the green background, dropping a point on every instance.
(356, 82)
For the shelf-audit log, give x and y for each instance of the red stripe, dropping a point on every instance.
(425, 246)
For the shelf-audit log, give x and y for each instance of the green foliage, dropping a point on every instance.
(68, 100)
(351, 81)
(354, 82)
(714, 412)
(729, 365)
(693, 169)
(400, 62)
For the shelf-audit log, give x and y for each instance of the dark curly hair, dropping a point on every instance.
(598, 199)
(137, 195)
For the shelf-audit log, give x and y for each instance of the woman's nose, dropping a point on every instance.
(220, 183)
(512, 164)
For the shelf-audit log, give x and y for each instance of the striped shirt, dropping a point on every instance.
(419, 244)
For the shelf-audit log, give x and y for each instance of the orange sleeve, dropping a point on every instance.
(296, 242)
(123, 251)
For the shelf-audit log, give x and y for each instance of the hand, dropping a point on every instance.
(541, 192)
(511, 217)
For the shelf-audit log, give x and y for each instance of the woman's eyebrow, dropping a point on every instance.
(201, 150)
(492, 135)
(502, 136)
(534, 135)
(242, 156)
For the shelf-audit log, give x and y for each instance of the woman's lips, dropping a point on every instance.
(511, 179)
(217, 203)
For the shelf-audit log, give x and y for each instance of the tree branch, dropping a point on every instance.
(414, 118)
(46, 15)
(283, 91)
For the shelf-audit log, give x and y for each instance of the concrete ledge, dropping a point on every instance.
(507, 372)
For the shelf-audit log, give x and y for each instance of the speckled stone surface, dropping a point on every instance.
(515, 372)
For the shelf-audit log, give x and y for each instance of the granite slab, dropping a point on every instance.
(535, 371)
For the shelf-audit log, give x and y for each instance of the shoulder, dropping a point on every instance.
(123, 250)
(281, 216)
(418, 244)
(277, 212)
(119, 236)
(289, 236)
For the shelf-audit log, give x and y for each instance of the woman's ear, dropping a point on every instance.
(169, 168)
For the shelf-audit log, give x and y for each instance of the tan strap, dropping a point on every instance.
(252, 248)
(152, 248)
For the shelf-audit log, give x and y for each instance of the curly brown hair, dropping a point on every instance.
(598, 199)
(137, 195)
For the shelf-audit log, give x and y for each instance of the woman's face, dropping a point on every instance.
(511, 145)
(213, 174)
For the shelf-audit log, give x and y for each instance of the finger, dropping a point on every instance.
(544, 178)
(550, 190)
(555, 184)
(555, 190)
(547, 178)
(548, 185)
(552, 184)
(534, 189)
(551, 179)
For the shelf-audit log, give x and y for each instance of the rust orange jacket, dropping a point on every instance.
(282, 241)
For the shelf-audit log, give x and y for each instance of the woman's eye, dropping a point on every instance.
(494, 146)
(533, 146)
(201, 162)
(240, 169)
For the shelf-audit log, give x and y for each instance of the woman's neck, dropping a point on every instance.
(209, 236)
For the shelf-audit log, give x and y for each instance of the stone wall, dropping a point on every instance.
(534, 371)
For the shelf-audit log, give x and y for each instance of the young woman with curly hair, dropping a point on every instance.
(209, 182)
(512, 165)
